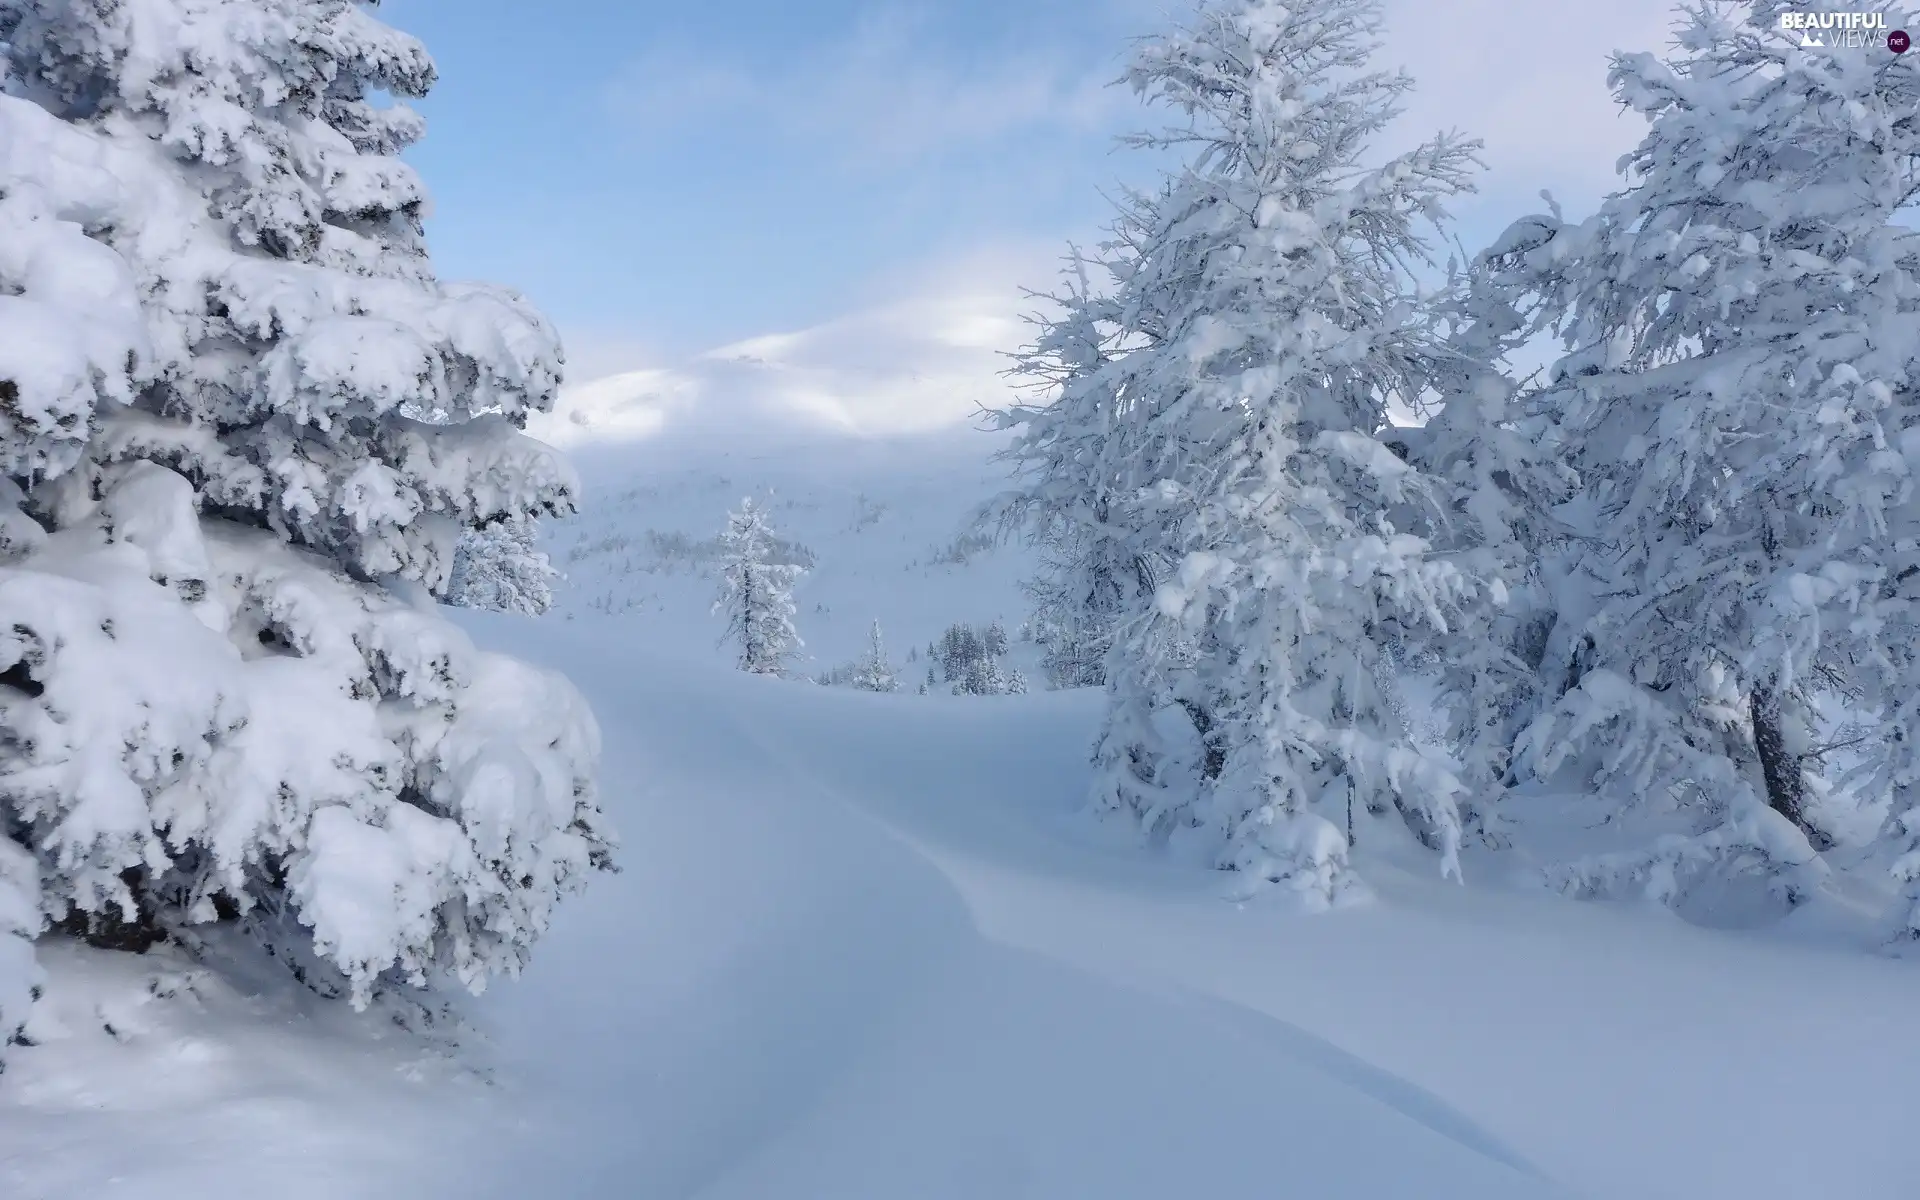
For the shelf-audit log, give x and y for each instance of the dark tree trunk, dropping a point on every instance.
(1786, 789)
(1215, 758)
(1577, 664)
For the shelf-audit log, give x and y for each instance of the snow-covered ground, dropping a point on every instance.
(865, 946)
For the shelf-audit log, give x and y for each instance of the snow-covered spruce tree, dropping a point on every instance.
(874, 673)
(1265, 320)
(972, 662)
(501, 568)
(1738, 399)
(243, 428)
(1086, 568)
(756, 592)
(1500, 481)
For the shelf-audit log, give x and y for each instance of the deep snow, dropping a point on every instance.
(866, 946)
(870, 950)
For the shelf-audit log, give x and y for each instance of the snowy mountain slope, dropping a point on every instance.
(888, 524)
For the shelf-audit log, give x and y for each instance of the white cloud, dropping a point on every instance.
(930, 356)
(629, 406)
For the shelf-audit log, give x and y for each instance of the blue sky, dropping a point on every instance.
(665, 178)
(686, 174)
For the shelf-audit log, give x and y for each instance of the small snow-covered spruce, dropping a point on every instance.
(873, 673)
(1736, 398)
(756, 592)
(501, 568)
(244, 427)
(1226, 443)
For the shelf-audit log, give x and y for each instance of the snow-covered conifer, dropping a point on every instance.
(956, 651)
(1228, 442)
(993, 640)
(756, 592)
(1736, 399)
(971, 662)
(1499, 482)
(1088, 568)
(874, 673)
(501, 568)
(244, 428)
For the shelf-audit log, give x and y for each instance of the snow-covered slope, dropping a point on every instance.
(889, 524)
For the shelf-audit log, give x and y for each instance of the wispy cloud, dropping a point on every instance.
(888, 88)
(1528, 78)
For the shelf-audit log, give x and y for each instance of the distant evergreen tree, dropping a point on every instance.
(994, 640)
(971, 662)
(873, 673)
(756, 592)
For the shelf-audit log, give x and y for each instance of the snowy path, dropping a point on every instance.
(783, 998)
(860, 950)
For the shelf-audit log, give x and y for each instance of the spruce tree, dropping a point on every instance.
(756, 592)
(1736, 397)
(1086, 570)
(1500, 482)
(502, 569)
(244, 428)
(1229, 438)
(874, 673)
